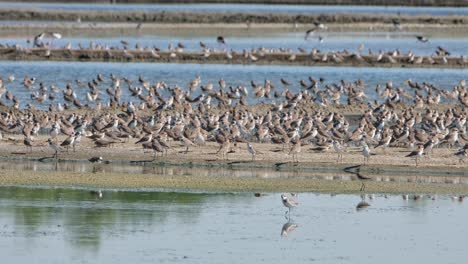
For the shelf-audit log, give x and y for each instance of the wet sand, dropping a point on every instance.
(204, 183)
(319, 59)
(271, 156)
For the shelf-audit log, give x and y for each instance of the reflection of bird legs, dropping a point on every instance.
(287, 215)
(363, 187)
(356, 170)
(362, 178)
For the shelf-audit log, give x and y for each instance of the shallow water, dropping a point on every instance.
(61, 73)
(57, 225)
(298, 9)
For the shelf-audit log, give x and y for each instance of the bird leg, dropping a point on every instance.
(363, 186)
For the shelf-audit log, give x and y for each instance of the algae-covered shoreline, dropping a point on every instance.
(214, 184)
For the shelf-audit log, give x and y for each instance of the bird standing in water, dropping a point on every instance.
(220, 40)
(289, 201)
(423, 39)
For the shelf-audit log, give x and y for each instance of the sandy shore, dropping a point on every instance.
(271, 156)
(319, 59)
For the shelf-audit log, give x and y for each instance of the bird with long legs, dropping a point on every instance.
(295, 149)
(366, 152)
(339, 149)
(53, 146)
(251, 150)
(417, 154)
(289, 201)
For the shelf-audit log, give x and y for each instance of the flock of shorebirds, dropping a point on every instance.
(116, 109)
(156, 114)
(45, 42)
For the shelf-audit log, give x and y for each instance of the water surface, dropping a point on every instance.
(73, 226)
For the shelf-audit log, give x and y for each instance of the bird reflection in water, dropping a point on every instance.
(356, 170)
(362, 204)
(287, 228)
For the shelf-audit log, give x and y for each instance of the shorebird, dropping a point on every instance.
(417, 154)
(68, 142)
(339, 149)
(157, 147)
(289, 201)
(319, 25)
(95, 159)
(251, 150)
(38, 38)
(187, 143)
(309, 33)
(385, 142)
(97, 194)
(146, 139)
(422, 39)
(28, 143)
(396, 24)
(225, 148)
(77, 139)
(220, 40)
(56, 148)
(366, 153)
(451, 138)
(429, 146)
(295, 149)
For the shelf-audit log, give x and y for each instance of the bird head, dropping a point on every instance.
(283, 197)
